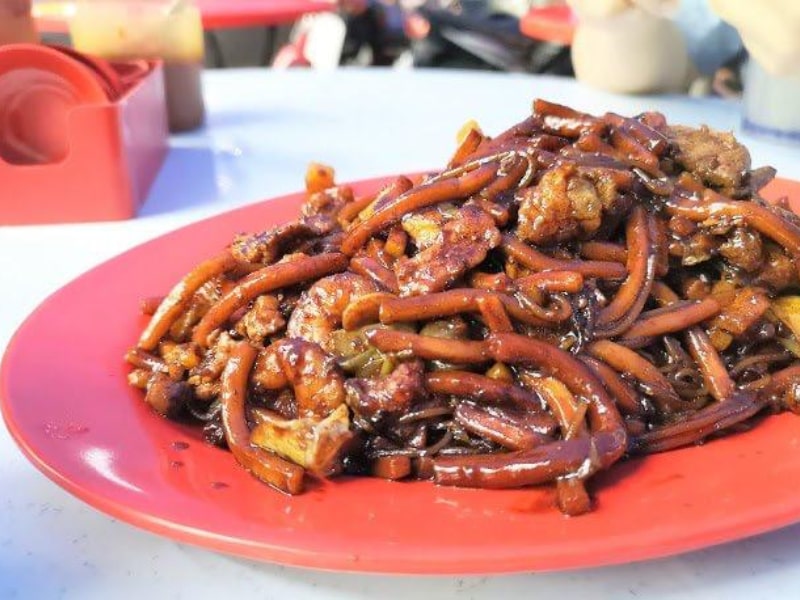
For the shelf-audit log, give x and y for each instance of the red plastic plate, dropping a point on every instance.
(66, 402)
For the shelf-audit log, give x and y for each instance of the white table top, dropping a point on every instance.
(263, 129)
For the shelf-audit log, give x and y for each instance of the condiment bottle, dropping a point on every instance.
(770, 106)
(134, 29)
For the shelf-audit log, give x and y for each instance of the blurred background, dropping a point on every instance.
(633, 47)
(699, 47)
(476, 34)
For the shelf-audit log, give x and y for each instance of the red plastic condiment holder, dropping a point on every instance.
(115, 150)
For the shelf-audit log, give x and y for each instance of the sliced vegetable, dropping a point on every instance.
(786, 309)
(314, 444)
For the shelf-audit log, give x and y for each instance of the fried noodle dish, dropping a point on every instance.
(574, 291)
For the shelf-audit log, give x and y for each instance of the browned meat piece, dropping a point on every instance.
(447, 249)
(329, 243)
(262, 320)
(327, 202)
(714, 156)
(564, 205)
(178, 357)
(778, 271)
(743, 249)
(696, 249)
(391, 395)
(695, 287)
(165, 395)
(205, 376)
(681, 226)
(138, 378)
(268, 246)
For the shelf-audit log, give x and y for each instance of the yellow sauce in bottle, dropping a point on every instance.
(167, 29)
